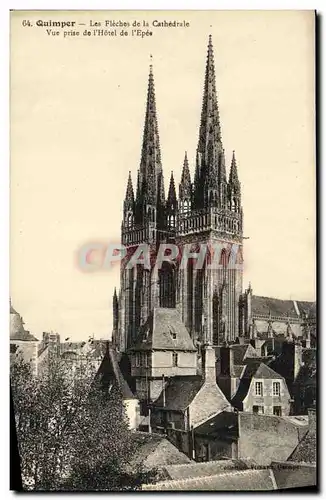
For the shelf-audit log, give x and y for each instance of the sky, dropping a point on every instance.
(77, 116)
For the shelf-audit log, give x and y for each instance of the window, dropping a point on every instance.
(137, 359)
(258, 388)
(276, 388)
(258, 409)
(174, 359)
(277, 410)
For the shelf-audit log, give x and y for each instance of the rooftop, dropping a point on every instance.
(164, 329)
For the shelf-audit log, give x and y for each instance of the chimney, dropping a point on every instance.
(226, 355)
(209, 364)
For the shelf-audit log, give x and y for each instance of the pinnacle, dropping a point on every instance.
(130, 191)
(233, 178)
(172, 197)
(185, 184)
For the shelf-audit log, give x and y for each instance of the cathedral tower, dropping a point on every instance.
(209, 298)
(206, 212)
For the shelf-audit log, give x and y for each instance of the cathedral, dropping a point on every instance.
(165, 319)
(206, 210)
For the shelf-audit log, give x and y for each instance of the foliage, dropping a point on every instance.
(72, 435)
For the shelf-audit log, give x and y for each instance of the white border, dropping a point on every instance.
(4, 171)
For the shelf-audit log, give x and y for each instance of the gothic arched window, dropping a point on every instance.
(167, 283)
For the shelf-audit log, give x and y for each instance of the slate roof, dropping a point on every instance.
(159, 331)
(242, 351)
(203, 469)
(180, 392)
(294, 475)
(109, 373)
(148, 443)
(23, 335)
(254, 368)
(234, 480)
(279, 307)
(306, 450)
(307, 307)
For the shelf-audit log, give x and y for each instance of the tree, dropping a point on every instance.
(72, 434)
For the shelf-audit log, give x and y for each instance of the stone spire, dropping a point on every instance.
(172, 197)
(150, 165)
(129, 204)
(129, 198)
(171, 205)
(185, 184)
(210, 140)
(234, 187)
(233, 178)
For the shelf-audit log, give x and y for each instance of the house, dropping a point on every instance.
(186, 402)
(248, 436)
(163, 350)
(109, 374)
(22, 343)
(261, 390)
(250, 384)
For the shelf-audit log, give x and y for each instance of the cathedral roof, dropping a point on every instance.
(279, 307)
(164, 330)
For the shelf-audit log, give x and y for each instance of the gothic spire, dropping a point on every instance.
(233, 178)
(210, 119)
(172, 197)
(185, 184)
(150, 164)
(210, 141)
(129, 198)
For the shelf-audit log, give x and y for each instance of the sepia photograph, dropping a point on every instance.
(163, 317)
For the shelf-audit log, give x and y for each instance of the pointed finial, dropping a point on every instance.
(130, 190)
